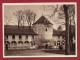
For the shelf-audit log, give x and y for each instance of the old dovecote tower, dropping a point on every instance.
(43, 28)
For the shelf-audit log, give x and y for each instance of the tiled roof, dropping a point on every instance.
(58, 32)
(26, 30)
(11, 30)
(42, 20)
(63, 33)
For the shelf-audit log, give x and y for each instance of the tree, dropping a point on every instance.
(65, 12)
(30, 17)
(25, 16)
(71, 18)
(19, 15)
(72, 22)
(67, 45)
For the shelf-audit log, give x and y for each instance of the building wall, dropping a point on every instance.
(43, 31)
(57, 41)
(40, 29)
(19, 45)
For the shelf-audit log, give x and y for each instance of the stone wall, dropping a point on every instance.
(44, 32)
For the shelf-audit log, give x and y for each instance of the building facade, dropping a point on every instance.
(19, 38)
(41, 33)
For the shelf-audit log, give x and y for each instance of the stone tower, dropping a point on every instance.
(43, 28)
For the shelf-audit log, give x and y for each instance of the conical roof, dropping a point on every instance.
(42, 20)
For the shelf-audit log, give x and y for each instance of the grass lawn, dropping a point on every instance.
(35, 52)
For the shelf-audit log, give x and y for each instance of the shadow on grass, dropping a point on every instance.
(57, 51)
(54, 51)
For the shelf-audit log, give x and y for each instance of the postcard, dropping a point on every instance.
(39, 30)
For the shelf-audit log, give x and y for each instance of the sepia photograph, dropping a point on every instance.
(39, 29)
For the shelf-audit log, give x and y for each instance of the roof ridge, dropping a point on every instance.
(12, 30)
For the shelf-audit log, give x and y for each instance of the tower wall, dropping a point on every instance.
(44, 32)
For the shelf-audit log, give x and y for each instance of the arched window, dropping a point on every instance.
(58, 41)
(13, 42)
(20, 42)
(7, 42)
(26, 42)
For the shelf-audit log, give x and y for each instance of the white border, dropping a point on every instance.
(39, 4)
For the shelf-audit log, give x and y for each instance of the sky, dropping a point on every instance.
(9, 11)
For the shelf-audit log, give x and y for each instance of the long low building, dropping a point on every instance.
(19, 37)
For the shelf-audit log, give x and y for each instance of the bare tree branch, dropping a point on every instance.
(19, 15)
(30, 16)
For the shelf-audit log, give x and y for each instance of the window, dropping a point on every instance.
(7, 36)
(46, 29)
(63, 42)
(20, 42)
(58, 43)
(7, 42)
(13, 42)
(32, 43)
(20, 36)
(26, 37)
(59, 37)
(13, 36)
(62, 37)
(44, 21)
(54, 43)
(32, 37)
(26, 42)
